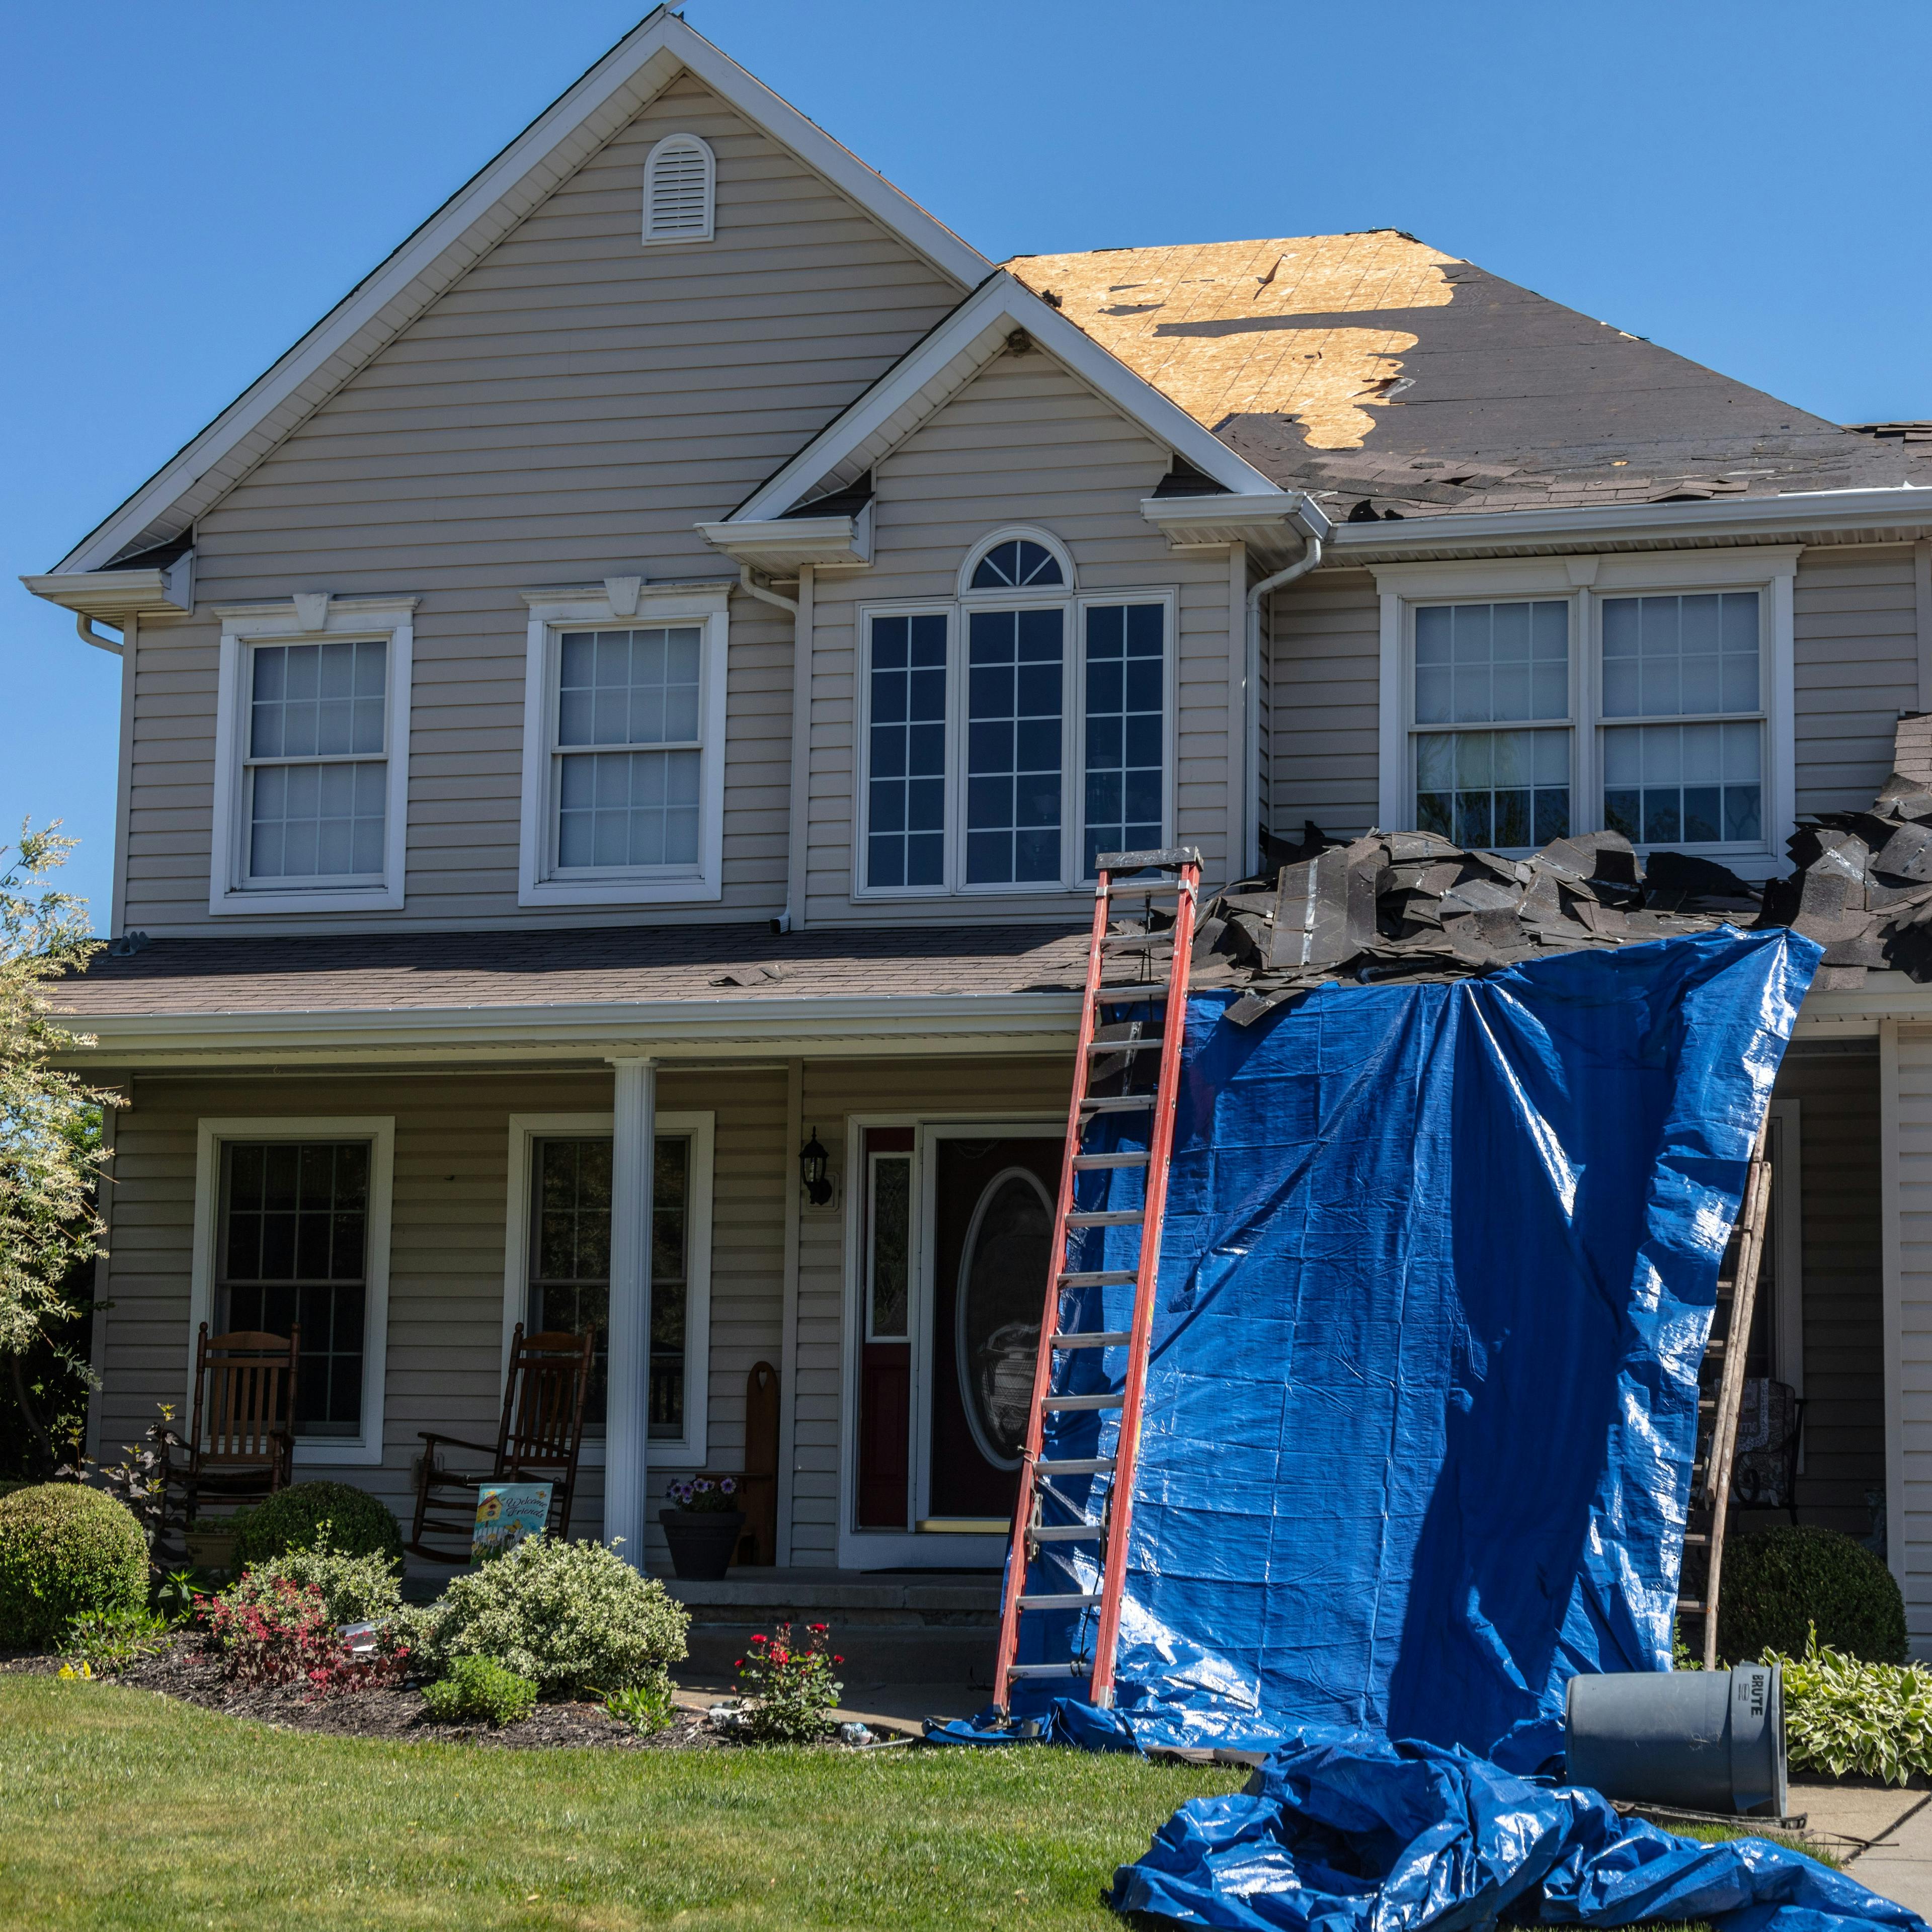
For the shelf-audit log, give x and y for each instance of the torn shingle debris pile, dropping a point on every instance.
(1413, 906)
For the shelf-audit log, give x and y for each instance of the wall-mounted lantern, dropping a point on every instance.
(813, 1161)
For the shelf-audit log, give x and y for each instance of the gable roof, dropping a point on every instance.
(938, 366)
(477, 216)
(1371, 368)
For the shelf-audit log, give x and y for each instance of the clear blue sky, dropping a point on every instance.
(184, 190)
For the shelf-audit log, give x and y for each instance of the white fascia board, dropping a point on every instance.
(115, 596)
(847, 1026)
(1887, 515)
(935, 369)
(1275, 528)
(779, 546)
(442, 248)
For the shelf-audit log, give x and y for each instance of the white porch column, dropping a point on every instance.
(627, 1426)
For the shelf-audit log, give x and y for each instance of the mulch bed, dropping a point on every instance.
(187, 1669)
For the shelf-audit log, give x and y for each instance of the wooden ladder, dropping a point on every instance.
(1720, 1389)
(1160, 1032)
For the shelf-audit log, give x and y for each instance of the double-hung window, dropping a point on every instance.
(558, 1277)
(1650, 695)
(292, 1237)
(1010, 735)
(623, 754)
(311, 783)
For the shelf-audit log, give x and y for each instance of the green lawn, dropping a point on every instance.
(120, 1811)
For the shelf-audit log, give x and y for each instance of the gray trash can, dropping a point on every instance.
(1699, 1740)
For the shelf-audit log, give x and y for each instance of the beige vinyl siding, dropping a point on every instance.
(935, 1089)
(1907, 1222)
(566, 412)
(1024, 442)
(1842, 1279)
(444, 1367)
(1855, 628)
(1325, 695)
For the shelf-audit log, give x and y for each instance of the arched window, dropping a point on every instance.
(680, 183)
(1021, 559)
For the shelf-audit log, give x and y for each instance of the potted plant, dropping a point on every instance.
(702, 1525)
(211, 1540)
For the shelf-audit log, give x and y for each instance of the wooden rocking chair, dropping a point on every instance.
(538, 1441)
(242, 1442)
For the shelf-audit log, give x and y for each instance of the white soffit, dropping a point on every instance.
(935, 369)
(561, 138)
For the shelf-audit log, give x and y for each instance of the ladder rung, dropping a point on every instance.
(1046, 1670)
(1067, 1600)
(1104, 1338)
(1113, 1401)
(1085, 1163)
(1695, 1539)
(1152, 990)
(1079, 1466)
(1164, 858)
(1101, 1278)
(1148, 889)
(1101, 1048)
(1106, 1217)
(1121, 1103)
(1068, 1532)
(1689, 1606)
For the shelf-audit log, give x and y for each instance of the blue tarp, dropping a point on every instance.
(1349, 1833)
(1439, 1265)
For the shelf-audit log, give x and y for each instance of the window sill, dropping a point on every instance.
(256, 901)
(676, 888)
(337, 1452)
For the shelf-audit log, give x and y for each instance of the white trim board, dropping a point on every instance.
(380, 1131)
(308, 618)
(373, 314)
(700, 1128)
(954, 351)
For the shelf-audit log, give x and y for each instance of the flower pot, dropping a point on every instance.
(701, 1540)
(211, 1549)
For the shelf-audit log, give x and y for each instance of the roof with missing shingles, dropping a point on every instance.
(443, 971)
(1372, 369)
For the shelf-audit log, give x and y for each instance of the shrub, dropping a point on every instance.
(1841, 1714)
(64, 1550)
(478, 1691)
(298, 1517)
(1778, 1582)
(788, 1682)
(567, 1615)
(105, 1642)
(647, 1708)
(355, 1589)
(275, 1631)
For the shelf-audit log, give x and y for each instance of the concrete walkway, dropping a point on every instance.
(1883, 1837)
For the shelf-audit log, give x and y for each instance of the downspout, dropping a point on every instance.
(800, 645)
(1251, 746)
(84, 628)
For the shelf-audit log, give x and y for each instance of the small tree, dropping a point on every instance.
(50, 1145)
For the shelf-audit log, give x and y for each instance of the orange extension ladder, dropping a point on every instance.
(1160, 1032)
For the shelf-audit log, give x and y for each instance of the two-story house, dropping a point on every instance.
(635, 694)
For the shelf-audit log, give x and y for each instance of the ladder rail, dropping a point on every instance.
(1731, 1387)
(1043, 1367)
(1133, 1396)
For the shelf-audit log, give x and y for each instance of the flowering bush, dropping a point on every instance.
(356, 1589)
(272, 1630)
(702, 1494)
(565, 1615)
(788, 1684)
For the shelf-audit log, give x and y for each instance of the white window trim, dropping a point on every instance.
(306, 619)
(1032, 533)
(1582, 582)
(380, 1131)
(539, 881)
(708, 233)
(1075, 604)
(908, 1549)
(690, 1451)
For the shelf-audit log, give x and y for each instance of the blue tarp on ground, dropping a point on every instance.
(1439, 1265)
(1349, 1833)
